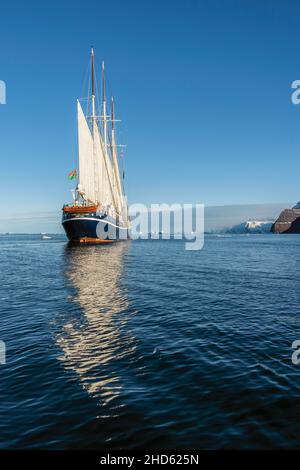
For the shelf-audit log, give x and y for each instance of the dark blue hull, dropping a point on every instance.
(97, 229)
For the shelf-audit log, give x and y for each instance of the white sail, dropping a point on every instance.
(86, 157)
(116, 171)
(118, 188)
(96, 176)
(103, 171)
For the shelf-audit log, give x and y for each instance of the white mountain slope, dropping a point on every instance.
(252, 226)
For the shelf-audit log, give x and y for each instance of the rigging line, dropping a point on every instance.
(108, 140)
(110, 91)
(88, 100)
(98, 109)
(86, 83)
(121, 131)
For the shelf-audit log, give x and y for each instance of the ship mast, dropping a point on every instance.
(104, 108)
(94, 124)
(93, 85)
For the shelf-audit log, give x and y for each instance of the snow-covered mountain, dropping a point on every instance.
(252, 226)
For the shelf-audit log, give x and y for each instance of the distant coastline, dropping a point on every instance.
(217, 218)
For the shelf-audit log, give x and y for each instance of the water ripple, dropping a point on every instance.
(143, 344)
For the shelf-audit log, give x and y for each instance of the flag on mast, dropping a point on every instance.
(72, 175)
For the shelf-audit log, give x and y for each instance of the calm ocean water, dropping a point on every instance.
(144, 344)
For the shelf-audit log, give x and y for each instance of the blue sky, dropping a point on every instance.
(202, 88)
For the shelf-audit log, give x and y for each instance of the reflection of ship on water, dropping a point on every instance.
(95, 339)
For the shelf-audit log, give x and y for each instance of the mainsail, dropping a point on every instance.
(117, 181)
(86, 158)
(104, 171)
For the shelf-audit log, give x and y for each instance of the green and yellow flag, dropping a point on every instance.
(72, 175)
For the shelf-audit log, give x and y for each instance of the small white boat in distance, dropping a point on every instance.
(46, 237)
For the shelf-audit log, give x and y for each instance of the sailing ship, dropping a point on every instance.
(98, 213)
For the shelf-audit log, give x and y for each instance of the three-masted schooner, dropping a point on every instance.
(98, 212)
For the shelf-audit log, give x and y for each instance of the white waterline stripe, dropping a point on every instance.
(95, 220)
